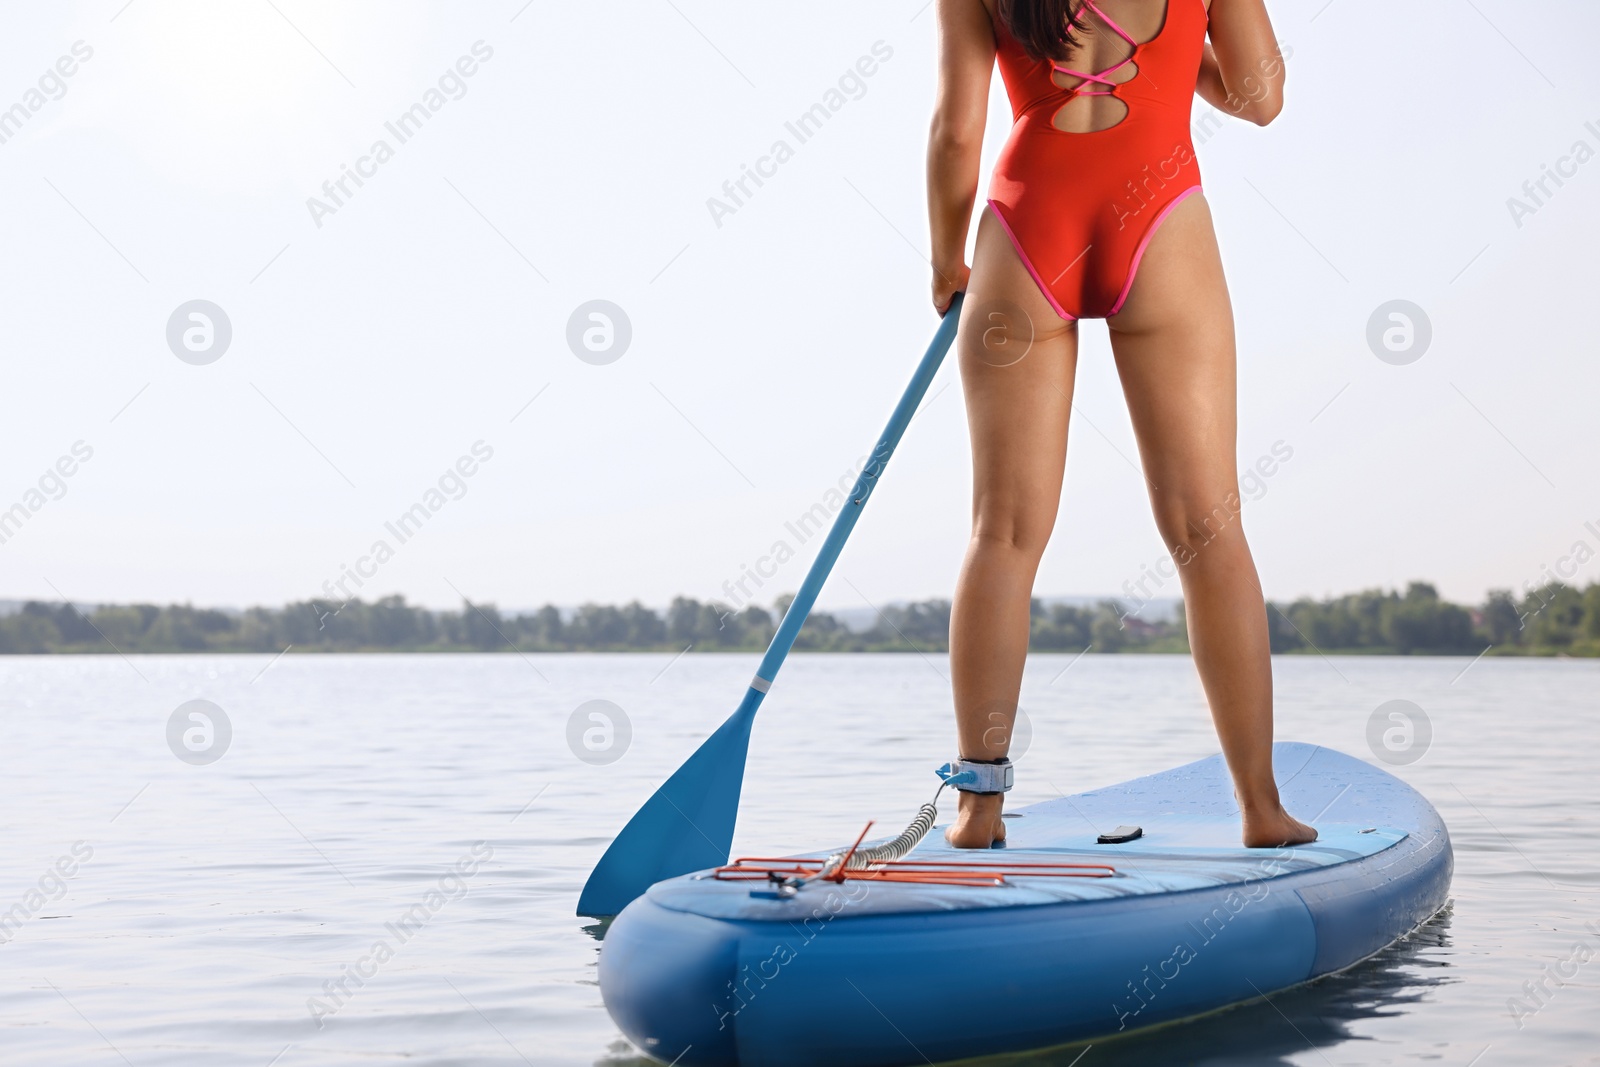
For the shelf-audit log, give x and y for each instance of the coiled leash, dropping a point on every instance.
(886, 862)
(987, 777)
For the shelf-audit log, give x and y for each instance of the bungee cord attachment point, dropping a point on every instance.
(887, 863)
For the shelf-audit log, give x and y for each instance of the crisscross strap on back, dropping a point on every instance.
(1099, 78)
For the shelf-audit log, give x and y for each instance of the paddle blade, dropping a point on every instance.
(686, 826)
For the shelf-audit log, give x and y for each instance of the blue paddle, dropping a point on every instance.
(688, 824)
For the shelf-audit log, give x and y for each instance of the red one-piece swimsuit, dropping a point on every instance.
(1081, 207)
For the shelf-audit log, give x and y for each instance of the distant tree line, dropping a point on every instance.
(1556, 619)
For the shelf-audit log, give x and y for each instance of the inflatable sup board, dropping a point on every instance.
(1053, 938)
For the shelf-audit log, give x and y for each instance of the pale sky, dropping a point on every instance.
(370, 353)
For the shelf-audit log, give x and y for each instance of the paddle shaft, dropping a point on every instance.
(687, 824)
(845, 521)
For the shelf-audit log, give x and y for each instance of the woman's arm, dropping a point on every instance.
(1242, 72)
(955, 138)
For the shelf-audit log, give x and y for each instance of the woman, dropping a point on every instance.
(1095, 211)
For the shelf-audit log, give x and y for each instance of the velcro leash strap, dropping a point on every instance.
(987, 777)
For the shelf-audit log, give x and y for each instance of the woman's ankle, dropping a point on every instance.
(978, 822)
(1261, 800)
(971, 804)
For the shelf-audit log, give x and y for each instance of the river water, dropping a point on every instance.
(381, 865)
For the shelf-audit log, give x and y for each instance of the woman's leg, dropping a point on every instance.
(1174, 348)
(1017, 361)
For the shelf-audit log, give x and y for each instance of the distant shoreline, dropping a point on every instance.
(1553, 620)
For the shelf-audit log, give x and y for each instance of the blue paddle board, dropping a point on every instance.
(704, 971)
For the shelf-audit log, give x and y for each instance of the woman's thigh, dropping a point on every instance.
(1017, 360)
(1174, 346)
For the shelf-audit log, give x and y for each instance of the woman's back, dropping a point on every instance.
(1109, 34)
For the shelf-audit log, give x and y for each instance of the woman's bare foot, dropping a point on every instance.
(978, 823)
(1272, 827)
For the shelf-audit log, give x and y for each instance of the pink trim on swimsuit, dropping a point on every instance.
(1145, 241)
(1118, 30)
(1026, 262)
(1100, 77)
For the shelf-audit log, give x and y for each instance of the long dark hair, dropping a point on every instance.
(1043, 27)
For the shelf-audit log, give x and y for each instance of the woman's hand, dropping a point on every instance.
(947, 282)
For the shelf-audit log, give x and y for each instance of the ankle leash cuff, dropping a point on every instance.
(986, 777)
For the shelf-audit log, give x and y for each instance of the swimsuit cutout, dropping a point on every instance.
(1081, 207)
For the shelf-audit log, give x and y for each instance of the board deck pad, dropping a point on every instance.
(1191, 841)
